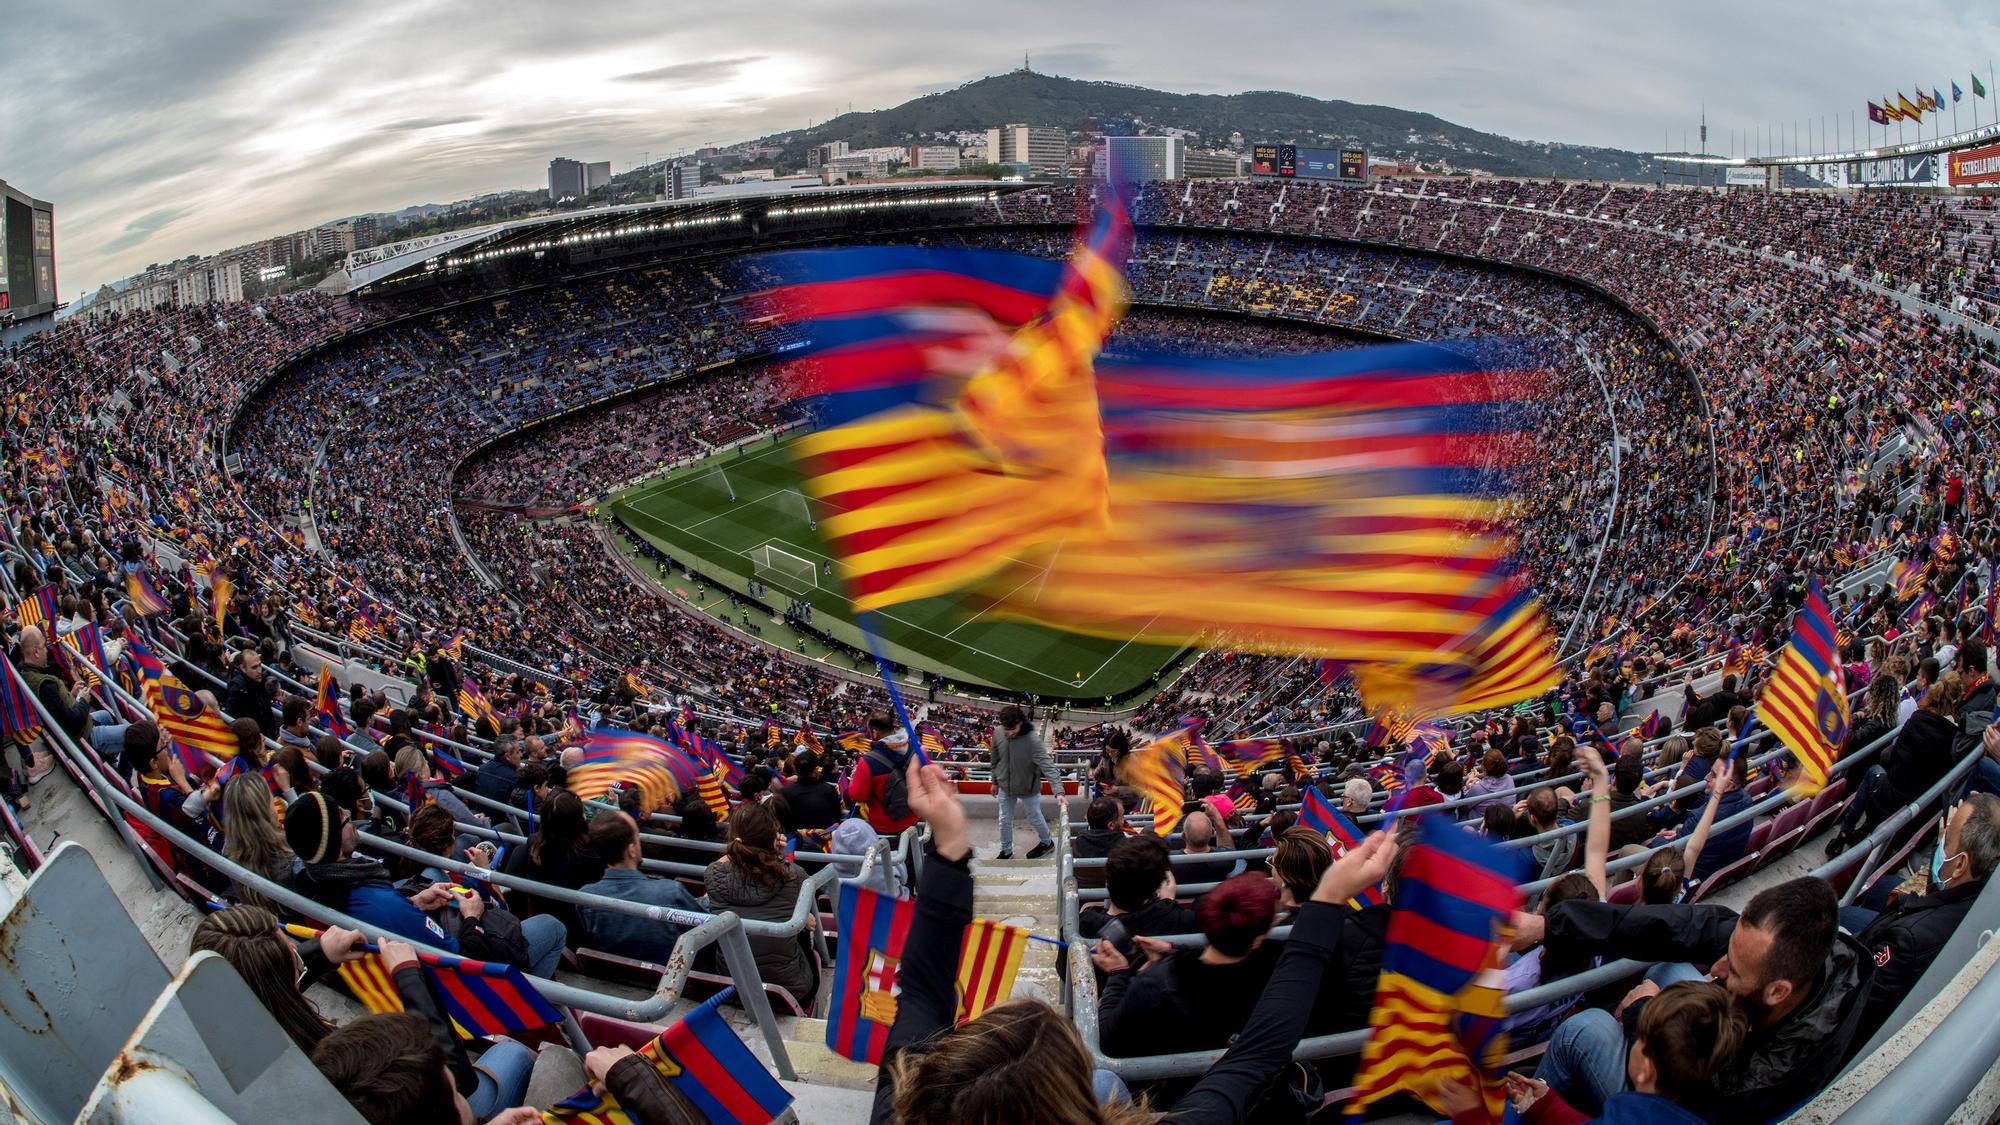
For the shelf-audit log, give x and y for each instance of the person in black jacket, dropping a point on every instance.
(1139, 881)
(1903, 940)
(1784, 960)
(1022, 1060)
(1917, 760)
(1192, 999)
(1106, 818)
(1975, 706)
(251, 692)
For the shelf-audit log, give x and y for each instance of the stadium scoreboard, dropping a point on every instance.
(27, 255)
(1348, 165)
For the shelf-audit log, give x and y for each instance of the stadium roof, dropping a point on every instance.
(605, 226)
(1911, 148)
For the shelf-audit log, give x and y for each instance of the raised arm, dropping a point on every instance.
(1720, 781)
(1597, 836)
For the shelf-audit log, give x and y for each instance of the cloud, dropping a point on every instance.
(233, 120)
(690, 73)
(414, 124)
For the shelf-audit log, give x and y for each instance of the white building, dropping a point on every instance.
(193, 282)
(1042, 149)
(925, 158)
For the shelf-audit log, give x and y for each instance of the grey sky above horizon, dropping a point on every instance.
(161, 130)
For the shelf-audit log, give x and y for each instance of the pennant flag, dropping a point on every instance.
(1650, 728)
(1876, 114)
(958, 416)
(1297, 767)
(1919, 609)
(359, 627)
(710, 787)
(1158, 771)
(17, 712)
(710, 753)
(326, 704)
(1805, 702)
(1318, 814)
(146, 601)
(1340, 504)
(38, 611)
(862, 1009)
(197, 732)
(612, 757)
(1452, 902)
(988, 958)
(1734, 663)
(447, 765)
(1986, 627)
(701, 1058)
(1386, 777)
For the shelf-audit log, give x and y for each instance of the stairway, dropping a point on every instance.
(1022, 892)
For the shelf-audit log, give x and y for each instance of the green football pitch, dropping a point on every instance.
(718, 514)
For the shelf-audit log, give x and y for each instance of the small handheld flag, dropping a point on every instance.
(988, 959)
(1318, 814)
(873, 928)
(1805, 702)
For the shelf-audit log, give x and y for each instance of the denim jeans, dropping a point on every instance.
(545, 936)
(1109, 1088)
(1858, 806)
(107, 736)
(503, 1076)
(1985, 778)
(1673, 972)
(1855, 919)
(1585, 1062)
(1033, 800)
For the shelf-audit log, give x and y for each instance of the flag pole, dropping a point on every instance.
(867, 623)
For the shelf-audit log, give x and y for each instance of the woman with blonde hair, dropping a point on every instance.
(1022, 1061)
(251, 837)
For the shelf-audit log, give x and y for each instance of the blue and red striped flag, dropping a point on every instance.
(1987, 627)
(486, 998)
(701, 1057)
(873, 928)
(446, 764)
(17, 712)
(1453, 899)
(1318, 814)
(326, 704)
(1805, 701)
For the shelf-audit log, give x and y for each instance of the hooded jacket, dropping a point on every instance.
(1779, 1066)
(1095, 843)
(782, 961)
(1020, 763)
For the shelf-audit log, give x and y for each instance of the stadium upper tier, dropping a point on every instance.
(1816, 373)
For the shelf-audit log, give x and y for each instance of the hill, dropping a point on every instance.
(1259, 115)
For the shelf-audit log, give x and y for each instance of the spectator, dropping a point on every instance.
(753, 880)
(615, 836)
(1918, 759)
(1542, 812)
(876, 785)
(1354, 797)
(501, 775)
(251, 693)
(557, 854)
(1187, 999)
(1297, 861)
(1493, 785)
(1139, 884)
(251, 836)
(1106, 820)
(813, 801)
(1627, 777)
(1020, 763)
(1784, 960)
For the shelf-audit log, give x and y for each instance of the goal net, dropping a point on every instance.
(780, 566)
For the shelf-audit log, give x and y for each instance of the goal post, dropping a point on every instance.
(775, 564)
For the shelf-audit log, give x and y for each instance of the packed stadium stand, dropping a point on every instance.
(420, 615)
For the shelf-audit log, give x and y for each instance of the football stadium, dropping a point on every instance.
(1477, 630)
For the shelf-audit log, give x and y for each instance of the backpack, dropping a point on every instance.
(895, 787)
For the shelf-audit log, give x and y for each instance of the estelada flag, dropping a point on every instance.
(873, 928)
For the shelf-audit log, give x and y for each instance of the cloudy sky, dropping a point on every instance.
(163, 129)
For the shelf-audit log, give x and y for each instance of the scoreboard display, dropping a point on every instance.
(1346, 165)
(27, 254)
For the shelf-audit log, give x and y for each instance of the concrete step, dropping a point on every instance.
(816, 1104)
(1023, 893)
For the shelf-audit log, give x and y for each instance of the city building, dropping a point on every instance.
(849, 169)
(683, 179)
(596, 175)
(566, 179)
(1195, 164)
(1043, 149)
(818, 155)
(1143, 159)
(925, 158)
(190, 281)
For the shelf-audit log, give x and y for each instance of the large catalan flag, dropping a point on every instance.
(326, 704)
(1805, 701)
(1158, 770)
(198, 733)
(1318, 814)
(1452, 900)
(988, 959)
(1344, 504)
(958, 419)
(873, 928)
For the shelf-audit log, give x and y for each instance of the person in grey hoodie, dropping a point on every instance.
(1019, 764)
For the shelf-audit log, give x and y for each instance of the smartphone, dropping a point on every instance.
(1114, 932)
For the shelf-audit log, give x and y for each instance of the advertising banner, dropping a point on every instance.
(1747, 177)
(1893, 170)
(1975, 165)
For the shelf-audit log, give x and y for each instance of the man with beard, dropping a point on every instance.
(1784, 959)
